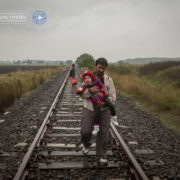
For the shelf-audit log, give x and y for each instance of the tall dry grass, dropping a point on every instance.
(157, 66)
(160, 98)
(172, 73)
(14, 85)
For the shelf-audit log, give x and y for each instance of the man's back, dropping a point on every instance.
(72, 72)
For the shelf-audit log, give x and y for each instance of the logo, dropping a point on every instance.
(39, 17)
(13, 17)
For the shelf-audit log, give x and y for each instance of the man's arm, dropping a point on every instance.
(112, 91)
(89, 91)
(86, 94)
(90, 85)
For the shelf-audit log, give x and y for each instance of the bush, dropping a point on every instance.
(172, 73)
(121, 68)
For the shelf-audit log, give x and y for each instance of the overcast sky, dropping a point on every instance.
(114, 29)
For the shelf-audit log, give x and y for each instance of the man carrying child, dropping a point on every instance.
(103, 104)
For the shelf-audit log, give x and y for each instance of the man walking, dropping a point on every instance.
(72, 71)
(89, 115)
(72, 74)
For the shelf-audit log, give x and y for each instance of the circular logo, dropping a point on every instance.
(39, 17)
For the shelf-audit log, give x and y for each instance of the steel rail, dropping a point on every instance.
(136, 165)
(28, 154)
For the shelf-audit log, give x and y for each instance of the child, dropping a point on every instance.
(99, 99)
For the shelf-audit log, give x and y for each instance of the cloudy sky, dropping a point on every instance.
(115, 29)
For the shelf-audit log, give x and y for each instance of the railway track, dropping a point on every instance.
(54, 152)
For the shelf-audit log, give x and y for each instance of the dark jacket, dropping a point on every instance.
(72, 72)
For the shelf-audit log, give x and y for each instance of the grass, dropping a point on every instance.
(14, 85)
(156, 92)
(169, 77)
(158, 66)
(123, 68)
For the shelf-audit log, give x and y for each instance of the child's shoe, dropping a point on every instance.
(96, 130)
(114, 120)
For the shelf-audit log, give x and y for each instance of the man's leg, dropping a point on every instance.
(103, 134)
(97, 110)
(87, 125)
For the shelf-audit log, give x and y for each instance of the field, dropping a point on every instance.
(15, 84)
(156, 86)
(14, 68)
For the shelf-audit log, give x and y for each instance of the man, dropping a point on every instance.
(72, 74)
(89, 115)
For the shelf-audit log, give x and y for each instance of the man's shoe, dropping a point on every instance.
(84, 149)
(103, 160)
(96, 130)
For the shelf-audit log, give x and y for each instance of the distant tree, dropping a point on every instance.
(85, 60)
(61, 63)
(18, 61)
(40, 61)
(69, 62)
(121, 62)
(28, 61)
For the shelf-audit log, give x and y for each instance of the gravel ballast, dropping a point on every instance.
(20, 123)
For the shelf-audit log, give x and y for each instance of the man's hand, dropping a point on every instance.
(79, 90)
(93, 89)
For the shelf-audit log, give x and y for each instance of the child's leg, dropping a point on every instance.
(110, 105)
